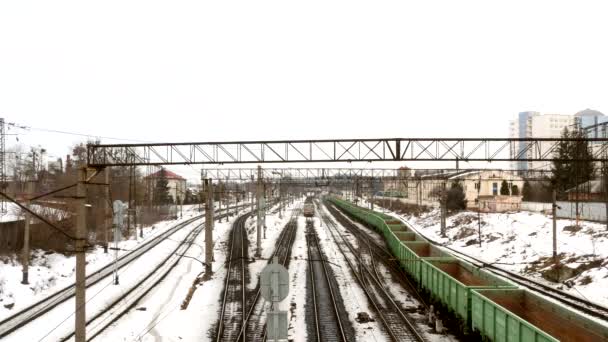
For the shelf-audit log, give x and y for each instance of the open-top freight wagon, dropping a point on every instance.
(485, 303)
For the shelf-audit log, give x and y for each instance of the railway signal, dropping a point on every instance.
(274, 287)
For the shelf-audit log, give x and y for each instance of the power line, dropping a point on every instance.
(24, 127)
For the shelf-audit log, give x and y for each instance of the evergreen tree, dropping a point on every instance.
(161, 189)
(504, 188)
(566, 172)
(456, 198)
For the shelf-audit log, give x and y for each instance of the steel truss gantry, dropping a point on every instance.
(335, 150)
(336, 175)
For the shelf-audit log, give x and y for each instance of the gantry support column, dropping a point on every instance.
(107, 211)
(258, 250)
(26, 235)
(81, 234)
(208, 225)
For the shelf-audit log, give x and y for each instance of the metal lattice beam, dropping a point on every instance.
(342, 150)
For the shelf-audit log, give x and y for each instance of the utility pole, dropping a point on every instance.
(26, 234)
(258, 251)
(554, 206)
(479, 209)
(280, 201)
(107, 213)
(371, 189)
(208, 226)
(3, 183)
(141, 227)
(219, 202)
(81, 234)
(129, 202)
(444, 209)
(264, 201)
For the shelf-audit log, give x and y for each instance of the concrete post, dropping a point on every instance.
(219, 202)
(280, 201)
(554, 211)
(444, 209)
(371, 189)
(208, 226)
(258, 251)
(264, 203)
(81, 234)
(107, 211)
(26, 235)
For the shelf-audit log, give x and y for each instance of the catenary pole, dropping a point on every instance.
(26, 235)
(81, 233)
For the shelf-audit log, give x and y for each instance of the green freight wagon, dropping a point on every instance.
(516, 315)
(411, 252)
(450, 281)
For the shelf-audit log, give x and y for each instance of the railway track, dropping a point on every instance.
(328, 320)
(38, 309)
(361, 261)
(380, 251)
(234, 300)
(255, 327)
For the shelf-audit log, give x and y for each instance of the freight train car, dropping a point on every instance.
(487, 304)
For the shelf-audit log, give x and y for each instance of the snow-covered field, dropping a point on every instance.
(523, 242)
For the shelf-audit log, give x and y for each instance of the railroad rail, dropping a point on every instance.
(36, 310)
(119, 307)
(328, 321)
(397, 324)
(382, 253)
(255, 324)
(234, 300)
(45, 305)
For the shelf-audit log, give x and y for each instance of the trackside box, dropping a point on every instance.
(517, 315)
(451, 280)
(411, 252)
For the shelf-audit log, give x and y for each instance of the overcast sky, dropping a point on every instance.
(232, 70)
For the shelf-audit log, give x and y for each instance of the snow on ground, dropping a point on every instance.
(395, 289)
(523, 242)
(163, 320)
(274, 226)
(59, 321)
(354, 298)
(297, 292)
(49, 272)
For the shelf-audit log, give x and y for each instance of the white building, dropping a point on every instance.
(535, 125)
(478, 186)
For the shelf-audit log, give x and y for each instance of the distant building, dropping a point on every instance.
(175, 182)
(593, 122)
(535, 125)
(481, 189)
